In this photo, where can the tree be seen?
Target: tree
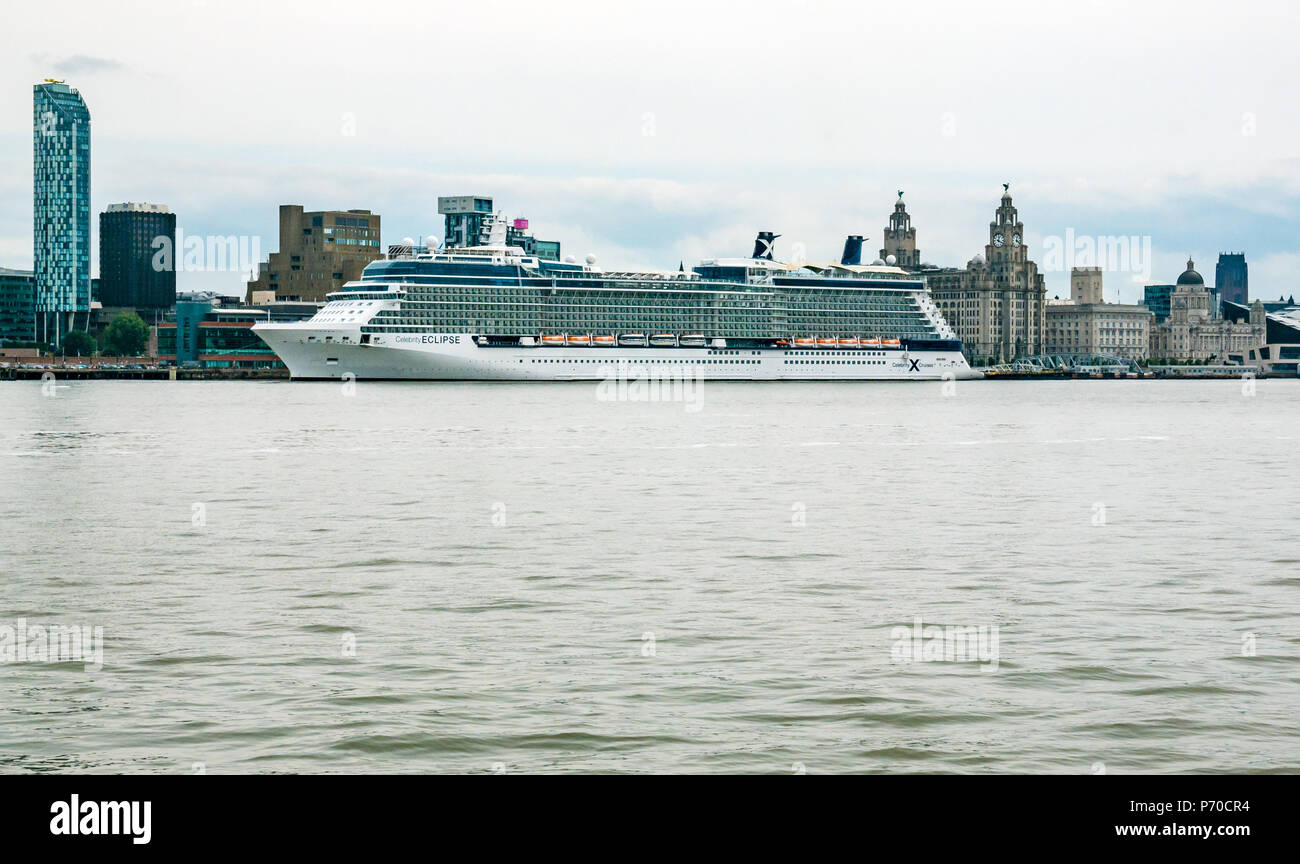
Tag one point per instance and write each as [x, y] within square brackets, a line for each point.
[78, 343]
[126, 334]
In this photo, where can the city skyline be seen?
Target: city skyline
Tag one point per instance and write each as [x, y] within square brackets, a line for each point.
[790, 388]
[614, 168]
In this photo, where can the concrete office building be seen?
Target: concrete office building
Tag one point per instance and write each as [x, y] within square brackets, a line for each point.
[319, 251]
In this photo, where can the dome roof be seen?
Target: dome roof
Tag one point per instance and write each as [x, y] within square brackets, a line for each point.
[1190, 276]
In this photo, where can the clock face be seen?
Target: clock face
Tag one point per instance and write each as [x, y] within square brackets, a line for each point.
[997, 239]
[1015, 239]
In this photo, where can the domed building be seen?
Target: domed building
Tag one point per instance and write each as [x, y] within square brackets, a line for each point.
[1189, 276]
[1194, 332]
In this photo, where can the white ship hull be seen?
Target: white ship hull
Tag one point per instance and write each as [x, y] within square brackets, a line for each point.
[456, 357]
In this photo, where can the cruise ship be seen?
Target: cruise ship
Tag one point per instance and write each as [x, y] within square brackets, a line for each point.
[492, 311]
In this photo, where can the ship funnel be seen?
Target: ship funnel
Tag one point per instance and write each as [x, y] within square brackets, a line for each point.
[852, 250]
[763, 245]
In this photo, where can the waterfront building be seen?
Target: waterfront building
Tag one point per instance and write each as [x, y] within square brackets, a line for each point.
[997, 304]
[17, 306]
[210, 331]
[470, 219]
[1231, 280]
[1280, 353]
[1086, 324]
[132, 274]
[1156, 298]
[465, 218]
[61, 210]
[1085, 286]
[319, 251]
[1193, 332]
[517, 235]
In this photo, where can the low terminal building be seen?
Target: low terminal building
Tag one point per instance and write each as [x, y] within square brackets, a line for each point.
[1280, 353]
[210, 331]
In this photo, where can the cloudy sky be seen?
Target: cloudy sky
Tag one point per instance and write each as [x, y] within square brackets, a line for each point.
[649, 133]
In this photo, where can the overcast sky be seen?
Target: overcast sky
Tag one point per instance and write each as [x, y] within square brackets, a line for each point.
[649, 133]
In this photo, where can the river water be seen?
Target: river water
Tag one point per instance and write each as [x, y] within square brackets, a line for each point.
[1059, 576]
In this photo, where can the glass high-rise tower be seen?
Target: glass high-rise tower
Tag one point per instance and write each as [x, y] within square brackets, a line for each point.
[61, 214]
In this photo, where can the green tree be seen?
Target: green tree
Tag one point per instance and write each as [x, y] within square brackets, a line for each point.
[78, 343]
[126, 334]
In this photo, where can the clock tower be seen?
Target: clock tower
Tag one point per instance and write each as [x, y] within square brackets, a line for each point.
[1015, 288]
[998, 303]
[900, 238]
[1006, 235]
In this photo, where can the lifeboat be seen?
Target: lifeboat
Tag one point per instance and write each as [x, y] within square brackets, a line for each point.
[553, 341]
[693, 340]
[891, 343]
[663, 340]
[848, 343]
[582, 340]
[870, 343]
[632, 340]
[827, 343]
[805, 343]
[604, 341]
[782, 343]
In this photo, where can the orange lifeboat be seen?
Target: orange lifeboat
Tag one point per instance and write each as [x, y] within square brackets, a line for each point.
[890, 342]
[827, 343]
[553, 341]
[870, 343]
[848, 343]
[805, 343]
[604, 341]
[582, 340]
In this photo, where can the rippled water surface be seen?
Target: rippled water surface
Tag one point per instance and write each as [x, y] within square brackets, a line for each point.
[535, 580]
